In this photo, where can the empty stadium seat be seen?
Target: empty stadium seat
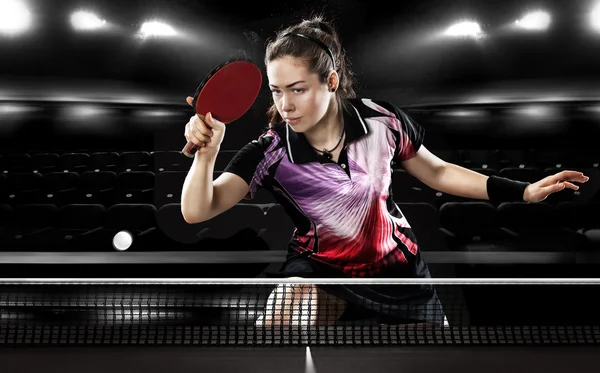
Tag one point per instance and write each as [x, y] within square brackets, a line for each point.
[526, 174]
[551, 158]
[471, 226]
[135, 161]
[104, 161]
[73, 162]
[536, 227]
[16, 163]
[23, 232]
[170, 161]
[169, 185]
[479, 158]
[583, 218]
[135, 187]
[60, 188]
[24, 188]
[515, 158]
[586, 158]
[45, 162]
[97, 187]
[76, 219]
[70, 223]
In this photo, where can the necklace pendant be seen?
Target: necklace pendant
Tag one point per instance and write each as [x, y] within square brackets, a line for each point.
[327, 154]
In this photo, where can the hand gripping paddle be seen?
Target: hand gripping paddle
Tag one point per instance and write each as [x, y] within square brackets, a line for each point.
[227, 92]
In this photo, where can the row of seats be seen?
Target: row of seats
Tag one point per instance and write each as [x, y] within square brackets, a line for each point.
[538, 158]
[103, 187]
[91, 227]
[158, 161]
[455, 226]
[514, 226]
[108, 187]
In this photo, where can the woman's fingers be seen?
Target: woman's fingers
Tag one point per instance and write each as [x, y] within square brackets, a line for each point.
[570, 185]
[200, 126]
[568, 175]
[202, 137]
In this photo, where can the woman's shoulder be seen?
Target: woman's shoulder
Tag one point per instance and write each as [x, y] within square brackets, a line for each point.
[368, 107]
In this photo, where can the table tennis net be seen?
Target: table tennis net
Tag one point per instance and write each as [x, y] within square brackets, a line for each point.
[279, 312]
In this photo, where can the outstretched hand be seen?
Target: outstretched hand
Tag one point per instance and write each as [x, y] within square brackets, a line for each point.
[540, 190]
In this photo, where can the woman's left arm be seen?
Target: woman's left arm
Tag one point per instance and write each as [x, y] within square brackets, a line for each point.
[453, 179]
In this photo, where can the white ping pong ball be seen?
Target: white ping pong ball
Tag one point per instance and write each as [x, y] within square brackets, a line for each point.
[122, 241]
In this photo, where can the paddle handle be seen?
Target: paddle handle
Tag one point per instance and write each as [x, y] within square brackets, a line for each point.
[189, 150]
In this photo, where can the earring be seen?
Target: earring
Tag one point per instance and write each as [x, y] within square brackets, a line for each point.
[332, 89]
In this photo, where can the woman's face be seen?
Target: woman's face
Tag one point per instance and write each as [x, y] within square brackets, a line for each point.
[301, 99]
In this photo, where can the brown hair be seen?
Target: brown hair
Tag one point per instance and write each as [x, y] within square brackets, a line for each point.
[315, 57]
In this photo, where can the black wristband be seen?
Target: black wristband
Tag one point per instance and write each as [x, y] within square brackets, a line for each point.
[501, 189]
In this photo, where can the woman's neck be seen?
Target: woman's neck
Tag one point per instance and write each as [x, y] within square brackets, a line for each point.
[326, 133]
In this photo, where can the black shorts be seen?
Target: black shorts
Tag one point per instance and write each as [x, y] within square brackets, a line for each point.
[391, 304]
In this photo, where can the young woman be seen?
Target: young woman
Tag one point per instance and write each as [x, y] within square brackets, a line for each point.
[326, 157]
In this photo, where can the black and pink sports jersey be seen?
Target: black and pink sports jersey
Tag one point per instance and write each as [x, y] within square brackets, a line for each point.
[344, 212]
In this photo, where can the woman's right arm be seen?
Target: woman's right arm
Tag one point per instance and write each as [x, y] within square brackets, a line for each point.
[201, 198]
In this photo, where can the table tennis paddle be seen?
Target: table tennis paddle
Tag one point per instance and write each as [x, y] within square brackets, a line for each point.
[227, 92]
